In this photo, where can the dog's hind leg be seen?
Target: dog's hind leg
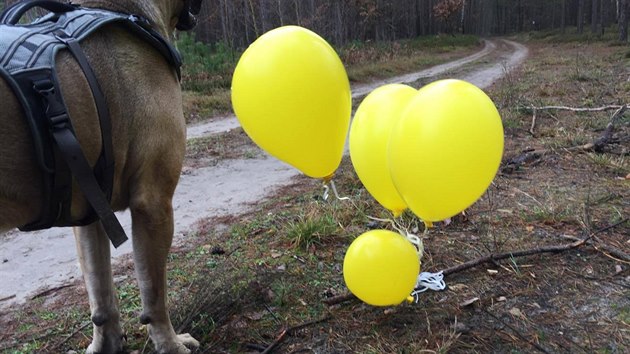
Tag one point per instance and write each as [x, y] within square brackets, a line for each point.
[152, 215]
[94, 255]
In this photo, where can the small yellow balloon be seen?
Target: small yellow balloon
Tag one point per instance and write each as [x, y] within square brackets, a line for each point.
[369, 138]
[291, 94]
[381, 268]
[446, 149]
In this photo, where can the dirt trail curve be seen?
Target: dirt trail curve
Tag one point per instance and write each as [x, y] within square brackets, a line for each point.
[47, 258]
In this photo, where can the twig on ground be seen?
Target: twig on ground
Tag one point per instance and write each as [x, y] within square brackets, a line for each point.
[81, 328]
[7, 298]
[601, 246]
[339, 299]
[577, 109]
[50, 291]
[256, 347]
[291, 330]
[534, 344]
[531, 129]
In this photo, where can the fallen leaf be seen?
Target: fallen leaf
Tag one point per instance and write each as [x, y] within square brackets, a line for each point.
[255, 316]
[501, 299]
[516, 312]
[459, 327]
[529, 228]
[469, 302]
[457, 287]
[276, 254]
[389, 311]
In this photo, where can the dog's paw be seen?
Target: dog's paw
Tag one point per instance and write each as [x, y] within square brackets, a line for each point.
[107, 339]
[183, 345]
[188, 340]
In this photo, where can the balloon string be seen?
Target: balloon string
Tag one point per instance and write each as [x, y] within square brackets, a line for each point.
[426, 281]
[328, 185]
[401, 230]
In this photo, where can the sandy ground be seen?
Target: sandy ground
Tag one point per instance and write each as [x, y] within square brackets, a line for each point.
[31, 262]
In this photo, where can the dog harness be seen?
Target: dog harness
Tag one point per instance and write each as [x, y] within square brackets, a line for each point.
[27, 58]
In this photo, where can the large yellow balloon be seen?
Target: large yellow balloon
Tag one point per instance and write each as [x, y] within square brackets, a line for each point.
[291, 94]
[381, 268]
[446, 149]
[369, 137]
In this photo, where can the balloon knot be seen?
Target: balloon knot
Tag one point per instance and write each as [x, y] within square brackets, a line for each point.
[328, 178]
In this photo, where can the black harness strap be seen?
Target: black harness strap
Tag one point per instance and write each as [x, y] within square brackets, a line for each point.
[27, 64]
[13, 14]
[105, 166]
[68, 145]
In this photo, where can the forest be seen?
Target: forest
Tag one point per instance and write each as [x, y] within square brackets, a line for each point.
[237, 23]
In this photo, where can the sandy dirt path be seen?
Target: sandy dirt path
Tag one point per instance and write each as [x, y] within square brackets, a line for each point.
[30, 262]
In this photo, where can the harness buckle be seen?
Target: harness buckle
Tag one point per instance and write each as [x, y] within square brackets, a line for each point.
[56, 111]
[60, 121]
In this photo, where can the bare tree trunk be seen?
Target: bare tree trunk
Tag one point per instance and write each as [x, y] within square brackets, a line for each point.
[264, 15]
[296, 4]
[623, 20]
[580, 17]
[339, 37]
[594, 16]
[279, 9]
[563, 19]
[253, 15]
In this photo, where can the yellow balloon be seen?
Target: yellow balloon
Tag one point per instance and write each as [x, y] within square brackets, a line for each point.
[381, 268]
[369, 138]
[446, 149]
[291, 94]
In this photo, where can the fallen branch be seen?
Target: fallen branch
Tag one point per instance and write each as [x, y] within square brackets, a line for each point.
[492, 258]
[600, 245]
[497, 257]
[549, 249]
[527, 156]
[532, 155]
[535, 109]
[577, 109]
[290, 331]
[599, 144]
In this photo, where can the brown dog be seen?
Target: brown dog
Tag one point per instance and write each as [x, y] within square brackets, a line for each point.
[149, 138]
